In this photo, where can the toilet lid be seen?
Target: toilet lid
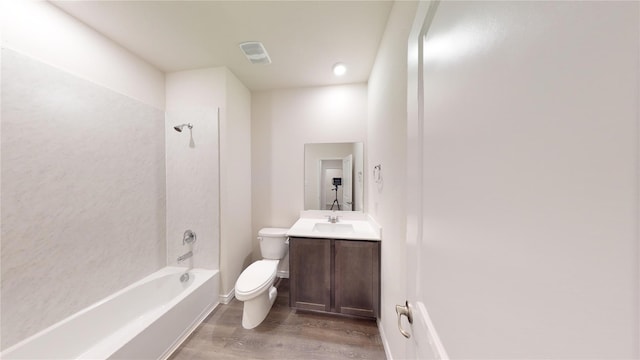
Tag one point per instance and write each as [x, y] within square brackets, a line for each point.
[269, 232]
[256, 276]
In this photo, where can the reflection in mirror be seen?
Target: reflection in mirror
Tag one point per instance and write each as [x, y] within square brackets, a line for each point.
[334, 176]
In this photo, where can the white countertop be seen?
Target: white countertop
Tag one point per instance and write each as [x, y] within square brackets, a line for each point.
[362, 226]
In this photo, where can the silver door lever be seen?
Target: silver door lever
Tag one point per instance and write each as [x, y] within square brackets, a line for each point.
[406, 311]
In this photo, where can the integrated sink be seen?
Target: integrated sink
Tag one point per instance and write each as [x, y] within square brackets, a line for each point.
[331, 228]
[352, 225]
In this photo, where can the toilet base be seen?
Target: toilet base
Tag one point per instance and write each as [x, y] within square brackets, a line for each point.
[256, 310]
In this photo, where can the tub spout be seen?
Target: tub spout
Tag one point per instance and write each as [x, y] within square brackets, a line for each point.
[185, 256]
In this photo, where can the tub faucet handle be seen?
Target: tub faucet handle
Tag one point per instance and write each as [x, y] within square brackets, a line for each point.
[189, 237]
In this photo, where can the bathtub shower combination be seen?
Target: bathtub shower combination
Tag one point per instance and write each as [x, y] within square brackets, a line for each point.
[146, 320]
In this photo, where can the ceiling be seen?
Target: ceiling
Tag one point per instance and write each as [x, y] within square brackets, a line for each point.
[303, 38]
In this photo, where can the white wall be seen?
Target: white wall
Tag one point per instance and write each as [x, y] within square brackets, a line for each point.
[194, 97]
[531, 179]
[282, 121]
[64, 42]
[387, 132]
[235, 183]
[209, 176]
[82, 168]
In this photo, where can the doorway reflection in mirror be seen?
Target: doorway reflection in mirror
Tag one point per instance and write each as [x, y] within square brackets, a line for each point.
[329, 161]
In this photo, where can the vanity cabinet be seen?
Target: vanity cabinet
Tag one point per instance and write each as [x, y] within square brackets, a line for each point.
[335, 276]
[310, 274]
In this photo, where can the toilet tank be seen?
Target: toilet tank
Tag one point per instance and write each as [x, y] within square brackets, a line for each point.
[273, 243]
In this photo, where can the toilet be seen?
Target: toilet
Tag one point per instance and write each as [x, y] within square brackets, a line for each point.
[254, 286]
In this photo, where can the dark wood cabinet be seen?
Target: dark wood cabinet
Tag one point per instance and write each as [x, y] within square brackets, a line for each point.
[336, 276]
[310, 266]
[357, 277]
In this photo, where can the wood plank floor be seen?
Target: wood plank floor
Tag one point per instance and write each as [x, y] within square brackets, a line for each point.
[284, 334]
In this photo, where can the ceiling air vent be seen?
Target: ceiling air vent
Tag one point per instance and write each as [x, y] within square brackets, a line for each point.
[255, 52]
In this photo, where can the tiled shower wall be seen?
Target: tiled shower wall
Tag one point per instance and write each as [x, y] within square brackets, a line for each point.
[83, 194]
[192, 187]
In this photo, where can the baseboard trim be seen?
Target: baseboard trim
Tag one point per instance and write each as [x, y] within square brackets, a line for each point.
[385, 343]
[226, 298]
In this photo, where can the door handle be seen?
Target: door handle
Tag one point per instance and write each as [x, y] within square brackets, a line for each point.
[406, 311]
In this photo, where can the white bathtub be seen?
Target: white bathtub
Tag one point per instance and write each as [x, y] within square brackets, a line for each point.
[147, 320]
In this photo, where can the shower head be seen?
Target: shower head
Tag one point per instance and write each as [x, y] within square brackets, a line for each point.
[179, 127]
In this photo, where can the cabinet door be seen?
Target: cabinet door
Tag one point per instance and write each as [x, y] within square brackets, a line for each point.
[310, 274]
[357, 278]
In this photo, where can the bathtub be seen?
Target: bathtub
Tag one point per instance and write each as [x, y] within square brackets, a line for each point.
[147, 320]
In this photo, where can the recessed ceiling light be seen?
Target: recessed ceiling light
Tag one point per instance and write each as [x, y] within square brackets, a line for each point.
[339, 69]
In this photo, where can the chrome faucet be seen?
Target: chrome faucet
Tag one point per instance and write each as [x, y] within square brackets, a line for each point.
[185, 256]
[333, 218]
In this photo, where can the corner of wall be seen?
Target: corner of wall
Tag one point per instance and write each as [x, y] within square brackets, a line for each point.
[235, 181]
[62, 41]
[386, 136]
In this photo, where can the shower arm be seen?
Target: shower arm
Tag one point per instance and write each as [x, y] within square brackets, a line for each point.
[179, 128]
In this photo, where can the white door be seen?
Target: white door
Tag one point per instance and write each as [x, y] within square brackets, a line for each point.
[478, 125]
[423, 341]
[347, 183]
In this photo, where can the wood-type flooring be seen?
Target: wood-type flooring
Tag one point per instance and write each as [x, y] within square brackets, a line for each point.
[284, 334]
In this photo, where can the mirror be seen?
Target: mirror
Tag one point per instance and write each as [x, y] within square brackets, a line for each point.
[334, 176]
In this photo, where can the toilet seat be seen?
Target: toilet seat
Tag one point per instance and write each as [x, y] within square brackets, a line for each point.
[256, 278]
